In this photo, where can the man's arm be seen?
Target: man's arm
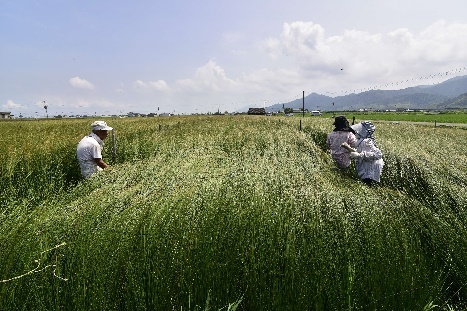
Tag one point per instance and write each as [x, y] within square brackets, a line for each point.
[100, 163]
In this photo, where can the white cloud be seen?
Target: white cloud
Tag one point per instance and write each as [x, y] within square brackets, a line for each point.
[79, 83]
[300, 37]
[366, 58]
[159, 85]
[273, 47]
[442, 42]
[210, 77]
[11, 105]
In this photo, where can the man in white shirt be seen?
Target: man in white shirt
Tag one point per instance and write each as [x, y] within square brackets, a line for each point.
[89, 150]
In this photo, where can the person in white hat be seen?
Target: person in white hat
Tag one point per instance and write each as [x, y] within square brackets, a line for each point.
[89, 150]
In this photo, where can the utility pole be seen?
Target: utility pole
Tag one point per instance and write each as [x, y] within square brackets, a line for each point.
[45, 107]
[303, 105]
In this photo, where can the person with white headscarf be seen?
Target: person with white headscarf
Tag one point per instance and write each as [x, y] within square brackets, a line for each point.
[368, 157]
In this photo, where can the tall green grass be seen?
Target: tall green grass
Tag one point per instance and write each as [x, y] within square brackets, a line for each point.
[206, 212]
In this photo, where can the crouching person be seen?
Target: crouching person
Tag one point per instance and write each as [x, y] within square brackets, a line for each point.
[368, 157]
[342, 134]
[89, 150]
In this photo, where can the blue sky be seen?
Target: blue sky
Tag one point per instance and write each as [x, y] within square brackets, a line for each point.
[112, 57]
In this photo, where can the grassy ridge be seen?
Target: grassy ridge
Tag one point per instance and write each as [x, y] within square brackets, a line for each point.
[237, 208]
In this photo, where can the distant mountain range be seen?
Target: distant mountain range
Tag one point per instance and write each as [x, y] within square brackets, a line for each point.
[450, 94]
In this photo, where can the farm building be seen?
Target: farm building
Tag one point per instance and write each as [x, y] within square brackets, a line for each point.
[5, 115]
[257, 111]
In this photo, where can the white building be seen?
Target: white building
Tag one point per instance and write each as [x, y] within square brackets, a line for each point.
[5, 115]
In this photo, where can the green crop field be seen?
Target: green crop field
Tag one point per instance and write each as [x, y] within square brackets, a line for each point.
[434, 117]
[230, 213]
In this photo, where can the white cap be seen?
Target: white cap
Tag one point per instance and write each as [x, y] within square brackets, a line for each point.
[100, 126]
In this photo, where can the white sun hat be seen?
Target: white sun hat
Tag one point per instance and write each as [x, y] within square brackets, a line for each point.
[100, 126]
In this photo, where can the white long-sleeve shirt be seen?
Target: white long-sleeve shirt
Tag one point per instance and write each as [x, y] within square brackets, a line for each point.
[370, 164]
